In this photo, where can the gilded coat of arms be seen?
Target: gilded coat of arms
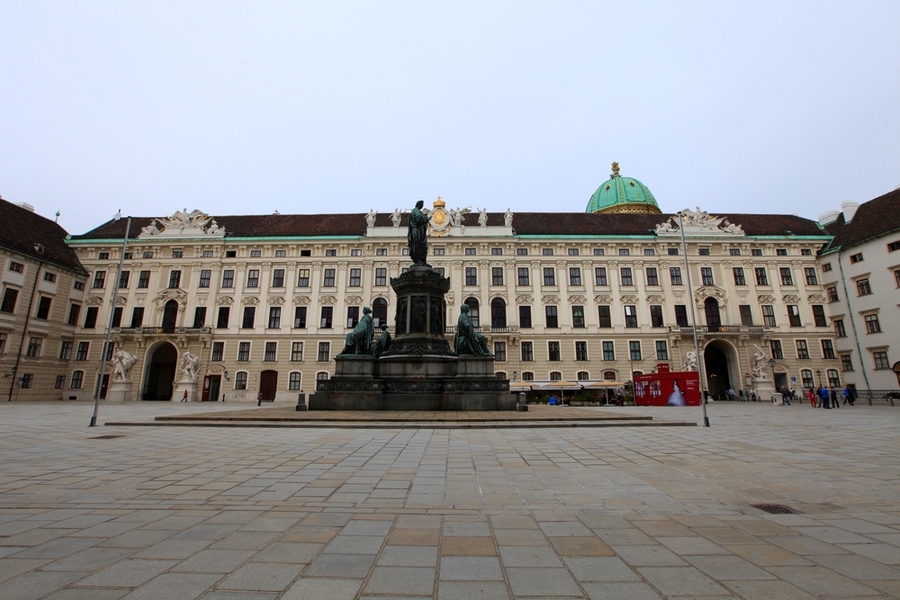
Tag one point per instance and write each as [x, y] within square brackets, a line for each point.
[440, 219]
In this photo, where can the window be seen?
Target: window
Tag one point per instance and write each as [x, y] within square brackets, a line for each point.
[893, 246]
[303, 278]
[199, 316]
[827, 349]
[787, 278]
[174, 279]
[149, 254]
[439, 251]
[65, 350]
[253, 278]
[222, 318]
[703, 251]
[243, 354]
[218, 351]
[99, 280]
[278, 278]
[523, 275]
[137, 316]
[296, 351]
[280, 253]
[204, 254]
[599, 252]
[881, 359]
[805, 252]
[438, 270]
[600, 276]
[16, 267]
[78, 285]
[806, 375]
[762, 278]
[662, 350]
[856, 258]
[626, 278]
[205, 277]
[352, 316]
[34, 347]
[578, 317]
[356, 252]
[177, 254]
[123, 279]
[776, 349]
[819, 315]
[811, 277]
[897, 277]
[274, 317]
[496, 251]
[271, 352]
[381, 276]
[324, 354]
[498, 313]
[734, 252]
[228, 278]
[330, 252]
[471, 276]
[634, 350]
[793, 315]
[652, 276]
[631, 315]
[60, 382]
[383, 251]
[77, 380]
[649, 252]
[552, 317]
[572, 251]
[624, 252]
[547, 251]
[553, 351]
[826, 267]
[582, 375]
[328, 278]
[846, 363]
[839, 330]
[739, 276]
[299, 317]
[525, 316]
[802, 350]
[294, 381]
[872, 324]
[768, 313]
[249, 317]
[604, 315]
[84, 349]
[746, 315]
[781, 252]
[581, 351]
[379, 312]
[656, 315]
[355, 278]
[609, 351]
[672, 251]
[549, 276]
[555, 376]
[675, 275]
[527, 352]
[574, 276]
[240, 380]
[500, 351]
[144, 280]
[43, 311]
[834, 378]
[832, 293]
[305, 252]
[706, 275]
[681, 318]
[862, 287]
[325, 319]
[521, 251]
[90, 317]
[496, 275]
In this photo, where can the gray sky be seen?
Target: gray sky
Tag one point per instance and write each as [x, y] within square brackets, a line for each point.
[309, 107]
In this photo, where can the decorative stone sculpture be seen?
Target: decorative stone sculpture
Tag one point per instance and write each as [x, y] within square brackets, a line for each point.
[122, 363]
[482, 217]
[359, 341]
[383, 343]
[760, 362]
[468, 341]
[507, 218]
[395, 217]
[370, 218]
[690, 361]
[189, 364]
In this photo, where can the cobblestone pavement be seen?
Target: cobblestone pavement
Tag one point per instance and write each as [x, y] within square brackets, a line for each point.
[327, 513]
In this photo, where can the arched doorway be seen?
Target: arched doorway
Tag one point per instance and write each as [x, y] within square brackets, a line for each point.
[498, 313]
[379, 312]
[713, 317]
[170, 316]
[719, 361]
[160, 372]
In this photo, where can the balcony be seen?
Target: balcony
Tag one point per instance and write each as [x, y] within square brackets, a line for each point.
[149, 331]
[719, 329]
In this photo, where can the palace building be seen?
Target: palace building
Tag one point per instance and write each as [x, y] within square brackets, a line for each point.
[265, 301]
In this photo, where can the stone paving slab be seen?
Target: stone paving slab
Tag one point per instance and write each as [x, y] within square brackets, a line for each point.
[535, 511]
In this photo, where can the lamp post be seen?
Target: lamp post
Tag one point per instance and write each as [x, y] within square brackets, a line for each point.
[819, 377]
[690, 294]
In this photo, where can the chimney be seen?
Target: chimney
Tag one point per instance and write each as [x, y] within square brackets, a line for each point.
[26, 206]
[829, 217]
[849, 209]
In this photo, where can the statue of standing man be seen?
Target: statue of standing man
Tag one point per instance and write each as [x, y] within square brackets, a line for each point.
[415, 236]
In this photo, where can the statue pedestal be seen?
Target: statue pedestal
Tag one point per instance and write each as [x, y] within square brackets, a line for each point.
[119, 391]
[766, 392]
[181, 386]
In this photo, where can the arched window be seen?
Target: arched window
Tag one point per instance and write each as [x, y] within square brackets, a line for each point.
[77, 380]
[807, 376]
[713, 318]
[322, 376]
[170, 316]
[609, 375]
[472, 303]
[834, 378]
[498, 313]
[555, 376]
[379, 312]
[240, 380]
[294, 380]
[527, 376]
[582, 376]
[500, 375]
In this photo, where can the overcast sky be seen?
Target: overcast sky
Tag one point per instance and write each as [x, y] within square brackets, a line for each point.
[310, 107]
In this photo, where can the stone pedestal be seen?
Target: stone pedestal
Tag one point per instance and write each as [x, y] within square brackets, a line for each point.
[765, 391]
[119, 391]
[181, 386]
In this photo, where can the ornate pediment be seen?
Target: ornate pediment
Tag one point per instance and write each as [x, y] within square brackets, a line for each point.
[94, 300]
[550, 299]
[225, 300]
[353, 300]
[302, 300]
[577, 299]
[766, 299]
[603, 299]
[791, 299]
[698, 222]
[182, 224]
[710, 291]
[325, 300]
[250, 300]
[524, 299]
[656, 299]
[276, 300]
[179, 295]
[629, 299]
[817, 298]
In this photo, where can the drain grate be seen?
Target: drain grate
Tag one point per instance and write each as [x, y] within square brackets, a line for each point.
[775, 509]
[106, 437]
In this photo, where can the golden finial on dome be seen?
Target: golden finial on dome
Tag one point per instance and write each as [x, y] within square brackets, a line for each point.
[615, 169]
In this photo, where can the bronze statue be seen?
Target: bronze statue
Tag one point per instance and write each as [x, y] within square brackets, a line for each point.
[359, 341]
[468, 341]
[383, 343]
[415, 236]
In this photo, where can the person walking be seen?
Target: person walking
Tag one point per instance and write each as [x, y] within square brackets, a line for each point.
[849, 396]
[185, 397]
[811, 394]
[834, 399]
[823, 393]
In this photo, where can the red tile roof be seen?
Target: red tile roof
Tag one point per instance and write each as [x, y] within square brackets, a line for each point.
[22, 229]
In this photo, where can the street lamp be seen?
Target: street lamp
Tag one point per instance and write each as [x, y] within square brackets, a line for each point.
[819, 377]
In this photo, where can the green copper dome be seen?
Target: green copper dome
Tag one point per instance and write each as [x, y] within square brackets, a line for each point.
[622, 195]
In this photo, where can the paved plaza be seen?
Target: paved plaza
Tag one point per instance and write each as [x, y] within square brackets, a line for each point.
[332, 512]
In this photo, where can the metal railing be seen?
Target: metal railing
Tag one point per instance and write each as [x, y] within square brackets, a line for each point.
[162, 330]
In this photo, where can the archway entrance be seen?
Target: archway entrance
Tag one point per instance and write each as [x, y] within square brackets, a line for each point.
[160, 372]
[716, 357]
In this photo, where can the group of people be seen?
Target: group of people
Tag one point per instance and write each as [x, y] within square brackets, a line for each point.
[825, 397]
